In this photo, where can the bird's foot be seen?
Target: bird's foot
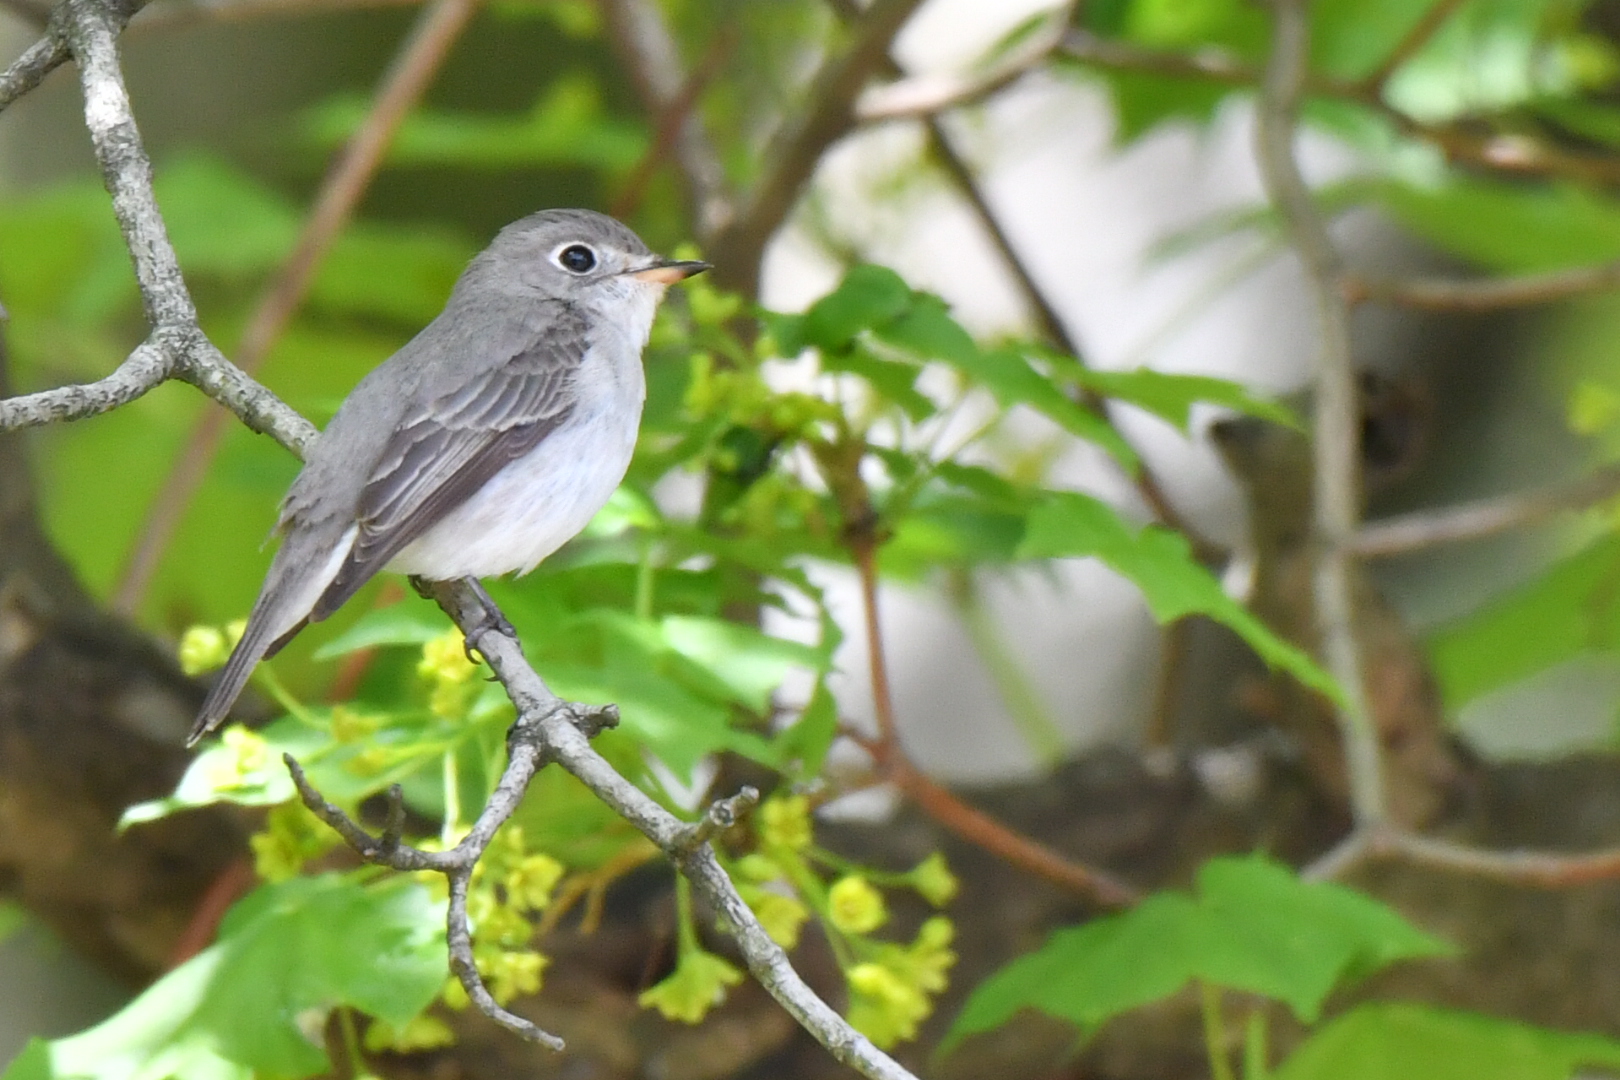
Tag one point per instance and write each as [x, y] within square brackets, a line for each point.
[492, 620]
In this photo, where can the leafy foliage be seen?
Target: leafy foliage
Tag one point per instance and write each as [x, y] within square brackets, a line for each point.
[1252, 926]
[256, 1002]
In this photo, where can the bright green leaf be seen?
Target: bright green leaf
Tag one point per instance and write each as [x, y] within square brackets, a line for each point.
[253, 1003]
[1572, 609]
[1380, 1040]
[1253, 926]
[1160, 562]
[867, 297]
[1171, 397]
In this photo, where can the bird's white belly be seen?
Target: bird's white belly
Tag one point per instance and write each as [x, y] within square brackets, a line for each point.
[533, 506]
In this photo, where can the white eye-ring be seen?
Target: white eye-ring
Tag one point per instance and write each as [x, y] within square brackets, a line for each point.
[576, 258]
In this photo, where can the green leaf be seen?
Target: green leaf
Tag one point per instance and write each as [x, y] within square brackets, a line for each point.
[253, 1003]
[1571, 610]
[223, 221]
[804, 744]
[1171, 397]
[399, 273]
[867, 297]
[927, 330]
[751, 663]
[1511, 227]
[1091, 973]
[405, 623]
[1253, 926]
[1160, 562]
[1295, 941]
[1390, 1039]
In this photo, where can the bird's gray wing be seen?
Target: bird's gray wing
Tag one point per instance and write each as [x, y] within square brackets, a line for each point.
[448, 447]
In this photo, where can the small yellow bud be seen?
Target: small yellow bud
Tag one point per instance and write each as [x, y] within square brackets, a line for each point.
[784, 821]
[202, 649]
[934, 881]
[781, 917]
[855, 907]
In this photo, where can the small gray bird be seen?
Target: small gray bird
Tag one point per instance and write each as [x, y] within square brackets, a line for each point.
[486, 443]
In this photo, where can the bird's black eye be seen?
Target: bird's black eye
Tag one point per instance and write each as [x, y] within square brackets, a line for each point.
[577, 259]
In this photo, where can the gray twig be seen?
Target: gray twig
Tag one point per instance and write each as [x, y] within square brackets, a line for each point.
[456, 865]
[1484, 294]
[29, 70]
[1337, 468]
[1485, 517]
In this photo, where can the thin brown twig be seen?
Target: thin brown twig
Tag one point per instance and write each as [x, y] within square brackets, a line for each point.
[1485, 517]
[1510, 153]
[938, 802]
[1484, 294]
[1420, 34]
[650, 57]
[673, 119]
[1336, 446]
[792, 156]
[1533, 869]
[406, 80]
[922, 96]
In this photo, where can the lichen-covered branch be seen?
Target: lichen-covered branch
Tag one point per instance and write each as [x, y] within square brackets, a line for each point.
[419, 58]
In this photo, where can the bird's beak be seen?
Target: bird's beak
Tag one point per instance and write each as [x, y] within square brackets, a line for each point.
[667, 271]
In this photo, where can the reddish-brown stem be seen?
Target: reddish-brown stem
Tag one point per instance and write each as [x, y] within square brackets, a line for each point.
[231, 885]
[671, 120]
[1532, 869]
[407, 79]
[939, 803]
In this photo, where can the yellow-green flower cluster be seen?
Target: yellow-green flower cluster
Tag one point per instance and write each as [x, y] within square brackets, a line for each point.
[204, 648]
[241, 760]
[891, 986]
[291, 837]
[448, 672]
[891, 993]
[425, 1032]
[697, 985]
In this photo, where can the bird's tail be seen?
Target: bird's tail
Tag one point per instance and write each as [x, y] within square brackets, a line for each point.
[259, 639]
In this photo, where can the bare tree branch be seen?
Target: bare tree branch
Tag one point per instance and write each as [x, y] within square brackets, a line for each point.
[551, 724]
[920, 96]
[403, 85]
[1486, 517]
[1336, 446]
[150, 364]
[652, 60]
[671, 131]
[1535, 869]
[1485, 294]
[793, 155]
